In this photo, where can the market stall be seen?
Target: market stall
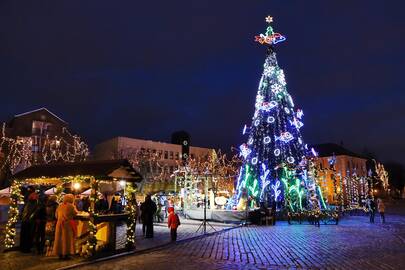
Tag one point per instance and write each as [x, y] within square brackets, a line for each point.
[98, 180]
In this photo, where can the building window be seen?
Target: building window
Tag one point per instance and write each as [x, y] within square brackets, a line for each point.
[35, 144]
[166, 155]
[177, 155]
[41, 128]
[171, 154]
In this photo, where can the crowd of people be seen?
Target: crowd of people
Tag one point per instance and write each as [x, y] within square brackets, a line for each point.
[51, 227]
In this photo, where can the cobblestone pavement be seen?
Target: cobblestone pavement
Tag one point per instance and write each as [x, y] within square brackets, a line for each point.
[17, 261]
[353, 244]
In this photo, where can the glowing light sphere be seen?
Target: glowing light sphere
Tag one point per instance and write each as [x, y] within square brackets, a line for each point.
[257, 122]
[250, 141]
[277, 152]
[287, 111]
[254, 160]
[290, 160]
[270, 119]
[267, 139]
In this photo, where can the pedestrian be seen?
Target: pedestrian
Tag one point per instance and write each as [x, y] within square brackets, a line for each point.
[142, 219]
[50, 225]
[381, 210]
[40, 223]
[65, 231]
[148, 209]
[173, 222]
[159, 214]
[371, 207]
[28, 223]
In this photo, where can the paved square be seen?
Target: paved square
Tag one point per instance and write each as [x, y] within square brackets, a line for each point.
[353, 244]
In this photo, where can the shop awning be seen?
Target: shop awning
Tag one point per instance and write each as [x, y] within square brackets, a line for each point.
[100, 169]
[5, 192]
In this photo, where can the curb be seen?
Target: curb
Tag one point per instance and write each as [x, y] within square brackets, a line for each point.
[143, 251]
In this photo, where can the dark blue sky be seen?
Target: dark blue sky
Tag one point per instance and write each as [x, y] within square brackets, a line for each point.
[147, 68]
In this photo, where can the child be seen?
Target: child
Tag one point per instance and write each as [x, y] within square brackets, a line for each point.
[173, 222]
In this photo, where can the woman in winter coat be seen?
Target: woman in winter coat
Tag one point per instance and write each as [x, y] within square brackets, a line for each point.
[381, 210]
[64, 244]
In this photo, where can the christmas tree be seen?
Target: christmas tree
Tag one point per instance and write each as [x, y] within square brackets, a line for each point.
[275, 164]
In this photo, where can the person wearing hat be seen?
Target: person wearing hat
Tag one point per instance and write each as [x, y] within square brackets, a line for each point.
[64, 244]
[173, 222]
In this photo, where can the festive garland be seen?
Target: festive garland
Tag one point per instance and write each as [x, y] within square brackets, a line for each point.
[131, 208]
[92, 240]
[13, 212]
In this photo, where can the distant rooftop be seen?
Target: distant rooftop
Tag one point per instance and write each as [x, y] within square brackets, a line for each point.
[41, 109]
[330, 149]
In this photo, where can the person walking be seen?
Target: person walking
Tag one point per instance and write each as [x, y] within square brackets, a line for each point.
[148, 209]
[381, 210]
[371, 206]
[64, 244]
[173, 222]
[28, 223]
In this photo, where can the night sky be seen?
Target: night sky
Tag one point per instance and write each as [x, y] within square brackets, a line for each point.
[147, 68]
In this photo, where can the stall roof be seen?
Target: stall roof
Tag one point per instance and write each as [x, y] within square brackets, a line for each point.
[100, 169]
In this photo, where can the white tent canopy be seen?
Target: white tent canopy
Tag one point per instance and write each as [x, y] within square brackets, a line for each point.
[51, 191]
[88, 192]
[5, 192]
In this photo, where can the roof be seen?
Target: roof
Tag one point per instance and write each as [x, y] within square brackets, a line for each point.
[41, 109]
[330, 149]
[104, 169]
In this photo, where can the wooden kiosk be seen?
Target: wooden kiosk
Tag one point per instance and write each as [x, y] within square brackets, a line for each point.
[96, 229]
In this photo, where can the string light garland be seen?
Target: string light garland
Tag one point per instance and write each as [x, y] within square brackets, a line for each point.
[20, 152]
[15, 197]
[131, 209]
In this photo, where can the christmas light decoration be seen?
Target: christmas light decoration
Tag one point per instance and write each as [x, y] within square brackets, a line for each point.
[274, 141]
[20, 152]
[13, 212]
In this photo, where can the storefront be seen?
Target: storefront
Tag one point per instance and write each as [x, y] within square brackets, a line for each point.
[111, 181]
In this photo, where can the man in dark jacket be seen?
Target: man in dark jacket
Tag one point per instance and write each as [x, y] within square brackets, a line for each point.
[372, 207]
[28, 219]
[148, 209]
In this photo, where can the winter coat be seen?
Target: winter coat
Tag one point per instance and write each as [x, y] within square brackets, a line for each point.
[65, 230]
[148, 209]
[381, 207]
[173, 221]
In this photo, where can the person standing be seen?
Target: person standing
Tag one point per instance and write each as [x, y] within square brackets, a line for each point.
[148, 209]
[50, 209]
[173, 222]
[371, 206]
[381, 210]
[64, 244]
[28, 223]
[40, 223]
